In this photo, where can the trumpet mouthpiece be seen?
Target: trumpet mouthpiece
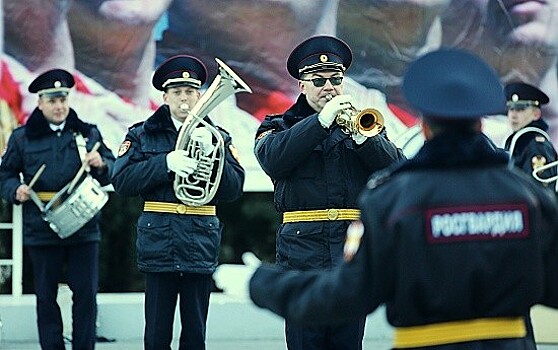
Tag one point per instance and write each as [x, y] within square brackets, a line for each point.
[329, 97]
[184, 107]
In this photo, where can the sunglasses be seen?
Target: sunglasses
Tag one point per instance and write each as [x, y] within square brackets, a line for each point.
[319, 82]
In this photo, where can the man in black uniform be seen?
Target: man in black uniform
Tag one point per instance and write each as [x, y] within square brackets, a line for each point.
[53, 136]
[456, 245]
[318, 170]
[177, 244]
[529, 145]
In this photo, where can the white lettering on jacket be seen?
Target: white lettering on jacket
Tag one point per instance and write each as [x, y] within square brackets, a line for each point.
[449, 224]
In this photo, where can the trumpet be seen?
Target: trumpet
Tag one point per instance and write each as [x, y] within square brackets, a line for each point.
[367, 122]
[547, 180]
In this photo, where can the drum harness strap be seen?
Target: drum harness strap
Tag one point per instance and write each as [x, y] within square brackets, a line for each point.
[81, 146]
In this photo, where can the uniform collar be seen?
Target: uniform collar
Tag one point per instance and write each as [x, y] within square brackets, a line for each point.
[37, 125]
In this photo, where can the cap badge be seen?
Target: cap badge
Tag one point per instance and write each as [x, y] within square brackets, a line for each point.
[185, 75]
[515, 98]
[57, 84]
[323, 58]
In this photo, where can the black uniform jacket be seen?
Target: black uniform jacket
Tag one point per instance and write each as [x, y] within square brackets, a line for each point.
[314, 168]
[170, 242]
[35, 144]
[452, 234]
[532, 146]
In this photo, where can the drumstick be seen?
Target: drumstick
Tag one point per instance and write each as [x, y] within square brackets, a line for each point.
[36, 176]
[82, 169]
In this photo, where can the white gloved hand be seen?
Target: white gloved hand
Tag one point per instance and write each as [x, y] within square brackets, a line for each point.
[205, 139]
[179, 162]
[359, 138]
[234, 279]
[332, 108]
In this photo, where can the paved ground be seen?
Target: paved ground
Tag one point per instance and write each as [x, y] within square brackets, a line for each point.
[267, 344]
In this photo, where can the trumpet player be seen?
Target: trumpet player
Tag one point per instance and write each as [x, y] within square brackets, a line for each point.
[318, 170]
[528, 145]
[177, 245]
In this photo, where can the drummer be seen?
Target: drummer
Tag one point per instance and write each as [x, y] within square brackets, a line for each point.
[55, 136]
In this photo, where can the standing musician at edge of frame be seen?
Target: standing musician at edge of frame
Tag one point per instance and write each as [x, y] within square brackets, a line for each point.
[532, 148]
[318, 169]
[56, 137]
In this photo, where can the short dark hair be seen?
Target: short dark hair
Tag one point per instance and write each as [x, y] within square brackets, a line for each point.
[462, 126]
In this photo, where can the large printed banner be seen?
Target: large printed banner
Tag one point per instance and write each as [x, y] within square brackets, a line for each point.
[113, 46]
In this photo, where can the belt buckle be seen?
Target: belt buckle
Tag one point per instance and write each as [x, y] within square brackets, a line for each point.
[181, 209]
[332, 214]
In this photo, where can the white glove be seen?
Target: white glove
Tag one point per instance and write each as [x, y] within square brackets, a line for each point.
[359, 138]
[234, 279]
[332, 108]
[179, 162]
[205, 139]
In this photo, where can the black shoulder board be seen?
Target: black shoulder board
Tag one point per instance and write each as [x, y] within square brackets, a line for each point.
[136, 125]
[378, 178]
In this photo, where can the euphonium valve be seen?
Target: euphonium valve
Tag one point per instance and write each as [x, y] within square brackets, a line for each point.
[367, 122]
[200, 187]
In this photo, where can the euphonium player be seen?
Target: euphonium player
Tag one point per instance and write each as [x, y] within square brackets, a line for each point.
[318, 171]
[177, 244]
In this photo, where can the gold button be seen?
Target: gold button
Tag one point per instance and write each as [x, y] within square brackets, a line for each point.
[332, 214]
[181, 209]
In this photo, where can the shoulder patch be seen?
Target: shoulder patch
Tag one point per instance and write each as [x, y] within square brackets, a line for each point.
[124, 147]
[264, 134]
[234, 152]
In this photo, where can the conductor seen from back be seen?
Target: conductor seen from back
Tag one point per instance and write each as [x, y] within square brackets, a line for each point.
[177, 244]
[455, 244]
[318, 169]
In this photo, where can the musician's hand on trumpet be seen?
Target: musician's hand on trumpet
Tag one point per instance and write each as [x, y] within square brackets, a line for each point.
[332, 108]
[179, 162]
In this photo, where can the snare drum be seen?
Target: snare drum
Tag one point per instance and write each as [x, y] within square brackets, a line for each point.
[68, 213]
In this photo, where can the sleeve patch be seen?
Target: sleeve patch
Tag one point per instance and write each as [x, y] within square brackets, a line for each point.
[234, 152]
[124, 147]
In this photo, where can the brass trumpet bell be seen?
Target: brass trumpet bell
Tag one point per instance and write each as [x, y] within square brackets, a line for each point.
[367, 122]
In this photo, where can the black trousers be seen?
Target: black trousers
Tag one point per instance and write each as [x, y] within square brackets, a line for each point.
[81, 263]
[347, 336]
[161, 293]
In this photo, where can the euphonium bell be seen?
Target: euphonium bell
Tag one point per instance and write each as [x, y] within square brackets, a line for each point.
[367, 122]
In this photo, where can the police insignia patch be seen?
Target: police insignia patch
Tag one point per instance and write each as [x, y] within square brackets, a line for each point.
[538, 161]
[234, 153]
[124, 147]
[264, 134]
[352, 241]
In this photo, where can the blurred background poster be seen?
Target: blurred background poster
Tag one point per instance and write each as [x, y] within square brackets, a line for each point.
[113, 46]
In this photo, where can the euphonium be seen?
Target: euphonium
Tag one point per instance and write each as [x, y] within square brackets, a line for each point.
[368, 122]
[536, 174]
[200, 187]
